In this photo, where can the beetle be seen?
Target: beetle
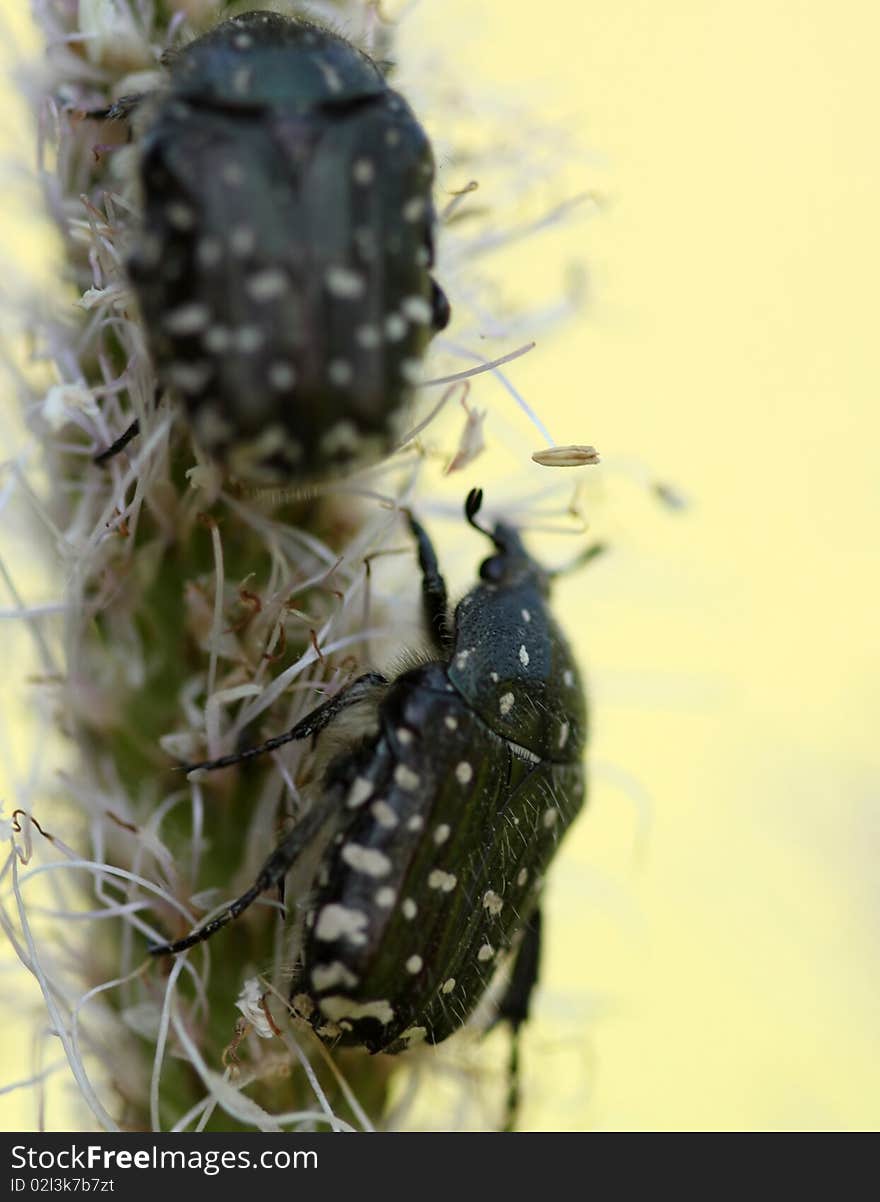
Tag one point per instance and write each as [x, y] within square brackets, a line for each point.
[431, 831]
[283, 261]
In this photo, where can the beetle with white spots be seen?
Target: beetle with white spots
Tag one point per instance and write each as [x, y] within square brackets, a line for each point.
[448, 807]
[285, 247]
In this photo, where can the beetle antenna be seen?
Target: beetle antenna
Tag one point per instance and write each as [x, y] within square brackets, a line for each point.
[472, 507]
[593, 551]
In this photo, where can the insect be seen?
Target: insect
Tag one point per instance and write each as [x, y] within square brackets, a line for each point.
[436, 824]
[283, 264]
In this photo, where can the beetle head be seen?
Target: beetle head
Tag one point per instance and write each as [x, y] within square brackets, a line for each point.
[511, 564]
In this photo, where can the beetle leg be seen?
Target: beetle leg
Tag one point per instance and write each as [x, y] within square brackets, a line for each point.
[514, 1008]
[120, 444]
[435, 602]
[125, 437]
[272, 873]
[120, 110]
[311, 725]
[440, 308]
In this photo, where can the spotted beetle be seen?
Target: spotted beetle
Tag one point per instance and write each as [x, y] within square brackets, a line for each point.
[431, 833]
[283, 263]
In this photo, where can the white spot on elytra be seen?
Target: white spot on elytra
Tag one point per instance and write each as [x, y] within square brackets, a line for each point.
[414, 964]
[384, 814]
[414, 208]
[188, 319]
[523, 656]
[486, 952]
[342, 436]
[442, 833]
[368, 337]
[526, 616]
[340, 922]
[343, 1007]
[339, 372]
[404, 736]
[494, 677]
[248, 339]
[492, 902]
[190, 377]
[505, 705]
[366, 860]
[462, 658]
[395, 327]
[410, 909]
[360, 791]
[415, 823]
[217, 339]
[464, 772]
[522, 876]
[212, 428]
[209, 252]
[232, 174]
[180, 215]
[332, 78]
[448, 985]
[564, 732]
[344, 283]
[568, 677]
[392, 137]
[445, 881]
[243, 239]
[267, 285]
[551, 817]
[417, 309]
[385, 897]
[281, 375]
[326, 976]
[406, 778]
[450, 723]
[363, 172]
[411, 370]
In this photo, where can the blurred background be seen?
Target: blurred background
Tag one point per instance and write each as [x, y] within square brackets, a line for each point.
[712, 926]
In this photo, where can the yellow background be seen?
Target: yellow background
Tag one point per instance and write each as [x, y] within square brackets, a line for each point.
[713, 964]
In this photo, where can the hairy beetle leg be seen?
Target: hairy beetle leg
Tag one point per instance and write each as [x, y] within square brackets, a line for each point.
[514, 1009]
[283, 857]
[307, 727]
[271, 874]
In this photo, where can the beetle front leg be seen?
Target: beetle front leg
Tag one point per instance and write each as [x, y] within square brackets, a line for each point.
[309, 726]
[435, 601]
[271, 874]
